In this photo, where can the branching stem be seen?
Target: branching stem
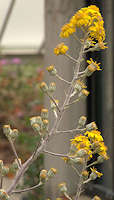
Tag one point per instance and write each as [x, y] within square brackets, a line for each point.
[27, 189]
[14, 151]
[62, 79]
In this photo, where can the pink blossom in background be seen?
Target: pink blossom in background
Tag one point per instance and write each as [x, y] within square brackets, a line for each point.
[3, 62]
[16, 61]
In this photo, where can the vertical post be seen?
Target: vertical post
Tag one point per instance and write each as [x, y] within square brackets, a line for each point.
[108, 100]
[57, 13]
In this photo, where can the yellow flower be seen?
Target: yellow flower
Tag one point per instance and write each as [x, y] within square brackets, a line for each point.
[96, 197]
[102, 45]
[89, 19]
[97, 31]
[61, 49]
[93, 64]
[81, 142]
[94, 136]
[67, 30]
[96, 172]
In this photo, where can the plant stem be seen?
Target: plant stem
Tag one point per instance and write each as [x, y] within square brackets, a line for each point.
[72, 130]
[27, 189]
[62, 79]
[14, 151]
[56, 154]
[41, 148]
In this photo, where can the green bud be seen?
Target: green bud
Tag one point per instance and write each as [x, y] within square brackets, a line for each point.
[52, 87]
[62, 187]
[52, 172]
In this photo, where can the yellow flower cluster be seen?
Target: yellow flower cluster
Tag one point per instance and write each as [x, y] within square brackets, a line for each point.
[91, 142]
[89, 19]
[61, 49]
[82, 143]
[93, 65]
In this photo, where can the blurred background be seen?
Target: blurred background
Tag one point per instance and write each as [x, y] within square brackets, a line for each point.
[29, 30]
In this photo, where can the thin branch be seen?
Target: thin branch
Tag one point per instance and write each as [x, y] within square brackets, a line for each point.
[72, 130]
[53, 101]
[76, 37]
[56, 154]
[80, 73]
[75, 169]
[71, 58]
[91, 164]
[75, 101]
[87, 181]
[62, 79]
[14, 151]
[88, 50]
[67, 196]
[27, 189]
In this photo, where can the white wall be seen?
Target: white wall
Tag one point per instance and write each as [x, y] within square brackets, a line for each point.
[25, 29]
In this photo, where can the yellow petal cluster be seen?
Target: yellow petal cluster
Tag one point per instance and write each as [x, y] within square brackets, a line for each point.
[91, 142]
[67, 30]
[89, 19]
[94, 136]
[93, 65]
[96, 172]
[82, 143]
[61, 49]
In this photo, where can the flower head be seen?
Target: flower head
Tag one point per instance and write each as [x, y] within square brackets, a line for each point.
[95, 172]
[93, 65]
[61, 49]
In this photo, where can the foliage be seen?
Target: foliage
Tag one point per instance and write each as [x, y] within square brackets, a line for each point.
[18, 81]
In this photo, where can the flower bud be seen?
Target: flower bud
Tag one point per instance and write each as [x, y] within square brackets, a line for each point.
[82, 121]
[53, 106]
[45, 124]
[44, 113]
[81, 153]
[44, 87]
[14, 134]
[59, 198]
[96, 198]
[7, 130]
[51, 69]
[32, 120]
[52, 172]
[52, 87]
[43, 175]
[77, 160]
[100, 159]
[62, 187]
[93, 176]
[90, 69]
[79, 85]
[84, 93]
[36, 120]
[91, 126]
[36, 127]
[85, 174]
[3, 195]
